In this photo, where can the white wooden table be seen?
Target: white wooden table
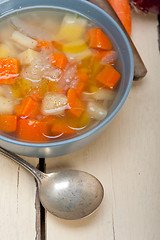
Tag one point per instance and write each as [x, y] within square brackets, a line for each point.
[126, 159]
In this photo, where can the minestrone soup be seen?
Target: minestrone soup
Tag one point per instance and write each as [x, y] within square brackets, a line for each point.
[58, 75]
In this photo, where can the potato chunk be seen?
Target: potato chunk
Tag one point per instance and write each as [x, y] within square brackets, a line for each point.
[27, 56]
[72, 28]
[4, 51]
[54, 104]
[96, 110]
[23, 40]
[103, 94]
[6, 106]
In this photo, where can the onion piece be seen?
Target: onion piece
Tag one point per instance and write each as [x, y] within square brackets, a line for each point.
[32, 31]
[96, 110]
[23, 41]
[104, 94]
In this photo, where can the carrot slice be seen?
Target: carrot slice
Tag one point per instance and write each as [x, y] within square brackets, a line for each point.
[43, 44]
[82, 80]
[9, 70]
[59, 60]
[109, 77]
[32, 130]
[97, 39]
[123, 10]
[28, 108]
[60, 127]
[75, 104]
[8, 123]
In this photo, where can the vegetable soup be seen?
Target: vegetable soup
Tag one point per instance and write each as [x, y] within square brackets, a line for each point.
[58, 75]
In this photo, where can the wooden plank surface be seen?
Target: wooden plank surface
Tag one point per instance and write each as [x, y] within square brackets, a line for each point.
[17, 201]
[126, 159]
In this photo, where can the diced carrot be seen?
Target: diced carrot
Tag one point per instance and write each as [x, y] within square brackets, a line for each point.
[28, 108]
[32, 130]
[109, 77]
[57, 45]
[60, 127]
[59, 60]
[8, 123]
[123, 10]
[106, 57]
[49, 120]
[98, 40]
[43, 44]
[17, 109]
[9, 70]
[76, 106]
[82, 80]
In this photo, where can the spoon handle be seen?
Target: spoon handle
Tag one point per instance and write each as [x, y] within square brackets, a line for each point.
[37, 174]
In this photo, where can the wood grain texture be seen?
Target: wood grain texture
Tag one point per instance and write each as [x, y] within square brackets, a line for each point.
[17, 201]
[126, 159]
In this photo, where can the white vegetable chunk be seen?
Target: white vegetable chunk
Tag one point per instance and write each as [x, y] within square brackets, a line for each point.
[13, 51]
[4, 51]
[23, 40]
[54, 104]
[6, 106]
[71, 29]
[27, 56]
[6, 32]
[50, 25]
[103, 94]
[74, 19]
[96, 111]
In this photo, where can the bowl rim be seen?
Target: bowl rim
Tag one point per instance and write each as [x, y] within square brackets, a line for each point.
[113, 113]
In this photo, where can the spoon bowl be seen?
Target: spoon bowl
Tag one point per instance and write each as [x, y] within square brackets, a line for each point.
[68, 194]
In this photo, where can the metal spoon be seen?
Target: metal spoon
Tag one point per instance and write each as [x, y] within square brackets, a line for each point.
[68, 194]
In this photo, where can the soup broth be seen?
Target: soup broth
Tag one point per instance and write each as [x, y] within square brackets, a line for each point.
[58, 75]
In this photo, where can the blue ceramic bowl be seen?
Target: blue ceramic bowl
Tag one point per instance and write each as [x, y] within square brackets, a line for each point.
[121, 44]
